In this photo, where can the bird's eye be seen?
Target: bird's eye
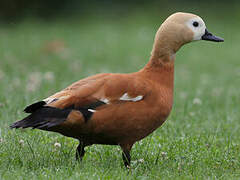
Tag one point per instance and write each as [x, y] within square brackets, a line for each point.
[195, 24]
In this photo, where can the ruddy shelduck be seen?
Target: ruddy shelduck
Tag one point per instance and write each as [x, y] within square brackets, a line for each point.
[120, 109]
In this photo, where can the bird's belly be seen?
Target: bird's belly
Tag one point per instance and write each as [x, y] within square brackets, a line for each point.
[121, 125]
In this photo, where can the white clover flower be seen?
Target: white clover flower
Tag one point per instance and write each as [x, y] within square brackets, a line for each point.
[197, 101]
[57, 145]
[21, 141]
[164, 154]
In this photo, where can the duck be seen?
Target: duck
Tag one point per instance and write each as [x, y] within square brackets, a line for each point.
[120, 109]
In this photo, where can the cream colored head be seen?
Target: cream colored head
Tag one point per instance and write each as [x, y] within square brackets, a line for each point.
[198, 27]
[179, 29]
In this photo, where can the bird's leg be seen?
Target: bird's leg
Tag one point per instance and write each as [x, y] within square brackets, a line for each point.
[126, 154]
[126, 158]
[80, 151]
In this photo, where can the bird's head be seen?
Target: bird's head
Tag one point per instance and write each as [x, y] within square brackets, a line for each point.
[179, 29]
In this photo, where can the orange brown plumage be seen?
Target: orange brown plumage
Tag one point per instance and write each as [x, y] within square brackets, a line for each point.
[118, 109]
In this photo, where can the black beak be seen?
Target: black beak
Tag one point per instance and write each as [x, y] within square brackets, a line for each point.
[209, 37]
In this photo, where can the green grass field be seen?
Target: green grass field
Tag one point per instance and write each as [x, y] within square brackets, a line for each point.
[200, 139]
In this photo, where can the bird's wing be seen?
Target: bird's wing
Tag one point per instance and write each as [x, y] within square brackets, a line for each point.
[82, 99]
[77, 94]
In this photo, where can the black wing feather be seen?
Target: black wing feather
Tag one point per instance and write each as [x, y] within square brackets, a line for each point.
[33, 107]
[45, 117]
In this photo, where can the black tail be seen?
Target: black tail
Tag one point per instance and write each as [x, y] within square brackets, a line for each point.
[43, 118]
[33, 107]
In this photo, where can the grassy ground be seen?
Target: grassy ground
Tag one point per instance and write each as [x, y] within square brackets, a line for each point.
[200, 139]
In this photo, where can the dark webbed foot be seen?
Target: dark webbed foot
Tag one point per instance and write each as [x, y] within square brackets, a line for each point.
[80, 151]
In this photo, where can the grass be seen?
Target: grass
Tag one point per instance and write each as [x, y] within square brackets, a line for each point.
[200, 139]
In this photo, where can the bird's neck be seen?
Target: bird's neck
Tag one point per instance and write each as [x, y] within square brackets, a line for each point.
[160, 69]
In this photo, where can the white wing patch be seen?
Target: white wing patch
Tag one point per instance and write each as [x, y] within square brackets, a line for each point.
[125, 97]
[50, 99]
[105, 100]
[91, 110]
